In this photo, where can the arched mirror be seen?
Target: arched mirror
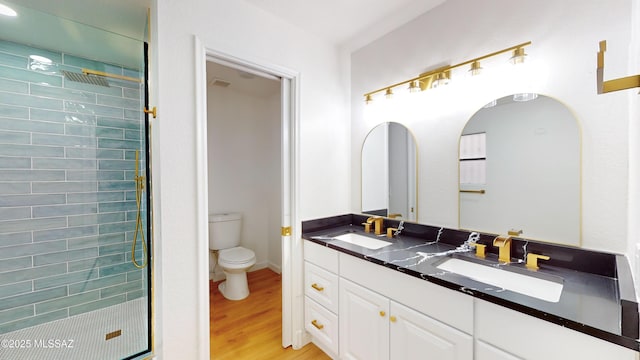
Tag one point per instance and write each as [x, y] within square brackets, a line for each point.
[520, 169]
[389, 177]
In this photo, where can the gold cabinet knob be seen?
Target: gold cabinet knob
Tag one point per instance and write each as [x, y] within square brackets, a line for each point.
[382, 313]
[392, 318]
[317, 325]
[317, 287]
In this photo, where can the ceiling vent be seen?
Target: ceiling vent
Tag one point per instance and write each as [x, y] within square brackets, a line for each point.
[219, 82]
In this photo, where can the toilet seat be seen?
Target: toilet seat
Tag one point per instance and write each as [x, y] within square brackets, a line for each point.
[236, 255]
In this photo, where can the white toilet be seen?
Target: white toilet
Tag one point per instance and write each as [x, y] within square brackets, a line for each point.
[224, 236]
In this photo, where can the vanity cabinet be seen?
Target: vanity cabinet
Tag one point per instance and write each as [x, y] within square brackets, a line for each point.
[375, 327]
[321, 296]
[503, 333]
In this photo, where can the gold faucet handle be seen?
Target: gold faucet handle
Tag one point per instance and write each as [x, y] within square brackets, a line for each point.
[532, 260]
[480, 250]
[367, 226]
[391, 231]
[393, 216]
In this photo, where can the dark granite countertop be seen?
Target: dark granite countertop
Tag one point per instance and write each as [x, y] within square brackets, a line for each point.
[597, 296]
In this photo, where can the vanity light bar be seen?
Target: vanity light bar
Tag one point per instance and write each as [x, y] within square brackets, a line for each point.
[443, 74]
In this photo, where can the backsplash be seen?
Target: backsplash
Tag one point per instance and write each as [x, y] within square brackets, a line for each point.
[67, 195]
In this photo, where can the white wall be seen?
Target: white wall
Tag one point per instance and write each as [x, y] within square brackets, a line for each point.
[239, 29]
[244, 167]
[562, 61]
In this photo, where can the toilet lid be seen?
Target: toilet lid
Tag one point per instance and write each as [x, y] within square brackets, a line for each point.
[236, 255]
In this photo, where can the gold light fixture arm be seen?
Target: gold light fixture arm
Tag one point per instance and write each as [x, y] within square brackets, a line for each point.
[426, 79]
[624, 83]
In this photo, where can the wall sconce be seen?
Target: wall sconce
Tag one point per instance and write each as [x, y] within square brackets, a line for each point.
[442, 76]
[624, 83]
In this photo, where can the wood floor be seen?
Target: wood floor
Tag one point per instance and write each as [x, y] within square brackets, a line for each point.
[252, 328]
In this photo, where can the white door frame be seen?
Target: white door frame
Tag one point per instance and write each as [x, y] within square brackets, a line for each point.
[292, 280]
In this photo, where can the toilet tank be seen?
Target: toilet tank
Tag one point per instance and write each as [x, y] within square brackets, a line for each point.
[224, 230]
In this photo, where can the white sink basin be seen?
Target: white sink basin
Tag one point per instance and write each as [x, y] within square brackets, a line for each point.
[364, 241]
[527, 285]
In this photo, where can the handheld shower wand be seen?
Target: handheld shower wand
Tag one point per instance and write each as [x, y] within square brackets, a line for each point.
[139, 228]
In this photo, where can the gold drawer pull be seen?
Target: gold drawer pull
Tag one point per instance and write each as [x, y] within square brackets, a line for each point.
[318, 326]
[382, 313]
[317, 287]
[392, 318]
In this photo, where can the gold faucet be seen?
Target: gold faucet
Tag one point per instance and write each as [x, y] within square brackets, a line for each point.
[504, 248]
[377, 222]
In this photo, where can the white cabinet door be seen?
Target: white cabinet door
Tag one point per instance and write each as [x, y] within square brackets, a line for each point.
[417, 336]
[486, 351]
[364, 323]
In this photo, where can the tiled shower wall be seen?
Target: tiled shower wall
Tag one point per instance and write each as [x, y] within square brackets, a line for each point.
[67, 195]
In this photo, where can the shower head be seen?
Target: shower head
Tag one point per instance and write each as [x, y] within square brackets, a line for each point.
[85, 79]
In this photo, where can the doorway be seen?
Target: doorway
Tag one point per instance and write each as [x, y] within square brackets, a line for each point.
[287, 128]
[243, 158]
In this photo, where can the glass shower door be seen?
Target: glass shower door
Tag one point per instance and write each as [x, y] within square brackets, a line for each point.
[75, 251]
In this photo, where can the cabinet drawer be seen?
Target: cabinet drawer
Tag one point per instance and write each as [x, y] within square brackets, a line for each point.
[321, 256]
[321, 286]
[322, 325]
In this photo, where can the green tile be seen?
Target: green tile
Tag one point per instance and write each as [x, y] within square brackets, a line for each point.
[74, 175]
[16, 61]
[97, 283]
[62, 93]
[63, 164]
[15, 263]
[14, 239]
[120, 289]
[16, 289]
[118, 123]
[17, 112]
[80, 130]
[26, 50]
[118, 102]
[31, 150]
[30, 224]
[30, 249]
[62, 117]
[62, 210]
[14, 213]
[33, 321]
[16, 313]
[135, 294]
[67, 301]
[95, 263]
[132, 114]
[31, 175]
[92, 109]
[64, 279]
[100, 304]
[66, 233]
[114, 91]
[64, 256]
[30, 274]
[63, 187]
[131, 93]
[117, 206]
[14, 86]
[83, 242]
[116, 227]
[63, 140]
[14, 163]
[32, 126]
[30, 76]
[91, 64]
[13, 188]
[117, 269]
